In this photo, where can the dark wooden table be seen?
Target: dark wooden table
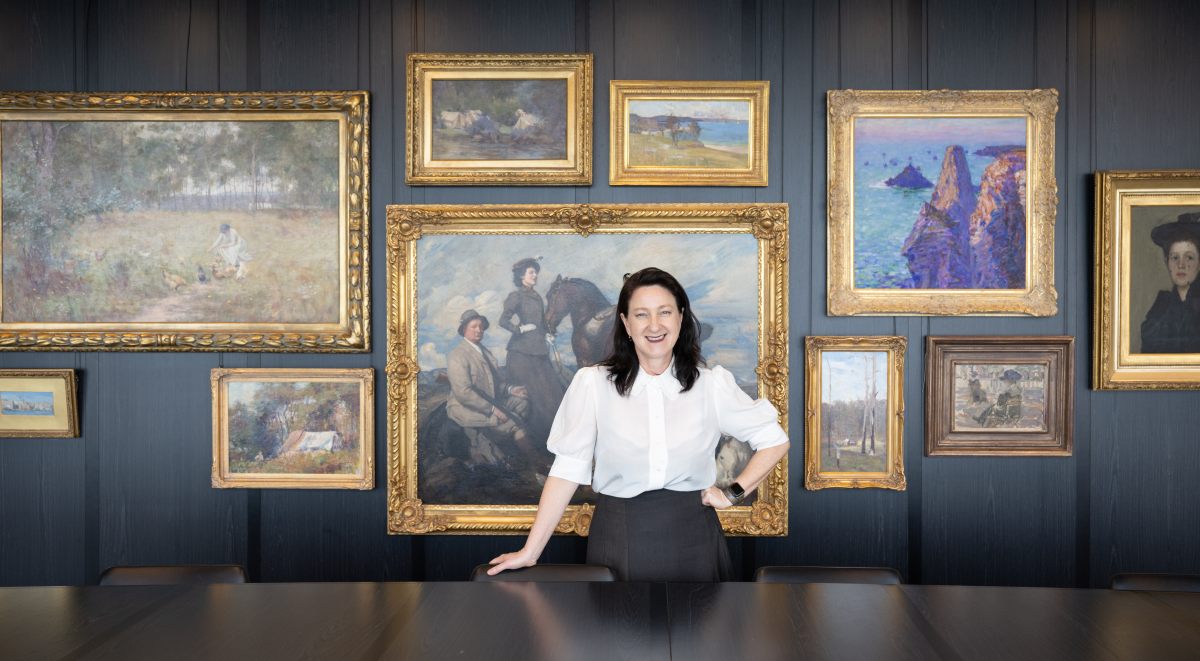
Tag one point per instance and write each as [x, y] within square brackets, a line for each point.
[613, 621]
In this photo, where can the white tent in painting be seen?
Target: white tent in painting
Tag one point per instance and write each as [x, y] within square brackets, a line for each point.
[311, 441]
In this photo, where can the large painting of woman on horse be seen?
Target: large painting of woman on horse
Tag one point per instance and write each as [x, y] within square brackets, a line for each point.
[503, 323]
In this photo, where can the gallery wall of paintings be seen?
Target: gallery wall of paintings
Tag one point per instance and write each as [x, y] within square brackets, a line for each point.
[934, 372]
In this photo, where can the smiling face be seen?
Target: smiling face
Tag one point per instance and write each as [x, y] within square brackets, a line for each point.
[1183, 262]
[530, 277]
[474, 330]
[653, 322]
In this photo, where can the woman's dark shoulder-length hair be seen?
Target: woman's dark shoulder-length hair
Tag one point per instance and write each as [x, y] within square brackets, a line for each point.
[622, 363]
[520, 267]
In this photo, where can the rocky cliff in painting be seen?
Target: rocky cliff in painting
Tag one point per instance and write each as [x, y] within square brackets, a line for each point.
[938, 248]
[998, 224]
[909, 177]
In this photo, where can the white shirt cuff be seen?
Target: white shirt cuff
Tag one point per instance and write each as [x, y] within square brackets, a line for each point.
[572, 469]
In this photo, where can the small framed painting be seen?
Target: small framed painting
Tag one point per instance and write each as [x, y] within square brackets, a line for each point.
[688, 133]
[38, 404]
[501, 118]
[293, 428]
[942, 202]
[999, 395]
[1147, 306]
[855, 409]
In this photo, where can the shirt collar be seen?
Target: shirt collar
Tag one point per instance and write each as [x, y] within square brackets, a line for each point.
[665, 382]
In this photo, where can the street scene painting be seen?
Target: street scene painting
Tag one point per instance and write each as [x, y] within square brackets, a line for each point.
[171, 222]
[939, 202]
[504, 321]
[27, 403]
[688, 133]
[499, 119]
[1000, 397]
[854, 411]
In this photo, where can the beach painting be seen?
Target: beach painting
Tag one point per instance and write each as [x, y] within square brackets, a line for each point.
[854, 406]
[499, 119]
[939, 202]
[27, 403]
[688, 133]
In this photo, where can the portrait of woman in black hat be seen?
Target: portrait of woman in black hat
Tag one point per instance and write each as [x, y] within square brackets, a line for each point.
[1173, 323]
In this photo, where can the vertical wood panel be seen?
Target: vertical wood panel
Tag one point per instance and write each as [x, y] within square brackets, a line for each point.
[142, 44]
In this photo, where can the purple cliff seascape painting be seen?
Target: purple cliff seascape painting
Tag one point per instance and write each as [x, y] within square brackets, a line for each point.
[939, 202]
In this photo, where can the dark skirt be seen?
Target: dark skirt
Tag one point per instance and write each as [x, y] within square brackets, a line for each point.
[545, 389]
[659, 535]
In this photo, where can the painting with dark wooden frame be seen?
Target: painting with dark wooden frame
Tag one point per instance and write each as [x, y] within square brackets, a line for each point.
[988, 395]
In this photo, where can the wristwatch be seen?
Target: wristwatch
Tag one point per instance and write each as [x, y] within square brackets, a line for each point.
[735, 493]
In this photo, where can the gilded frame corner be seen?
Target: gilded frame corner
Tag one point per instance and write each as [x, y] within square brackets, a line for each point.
[1039, 297]
[71, 392]
[621, 92]
[406, 224]
[893, 477]
[223, 478]
[350, 333]
[1114, 365]
[422, 169]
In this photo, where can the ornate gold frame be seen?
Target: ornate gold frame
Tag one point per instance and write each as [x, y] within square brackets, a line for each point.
[893, 478]
[223, 479]
[1038, 107]
[424, 68]
[768, 223]
[1114, 365]
[351, 333]
[621, 92]
[71, 390]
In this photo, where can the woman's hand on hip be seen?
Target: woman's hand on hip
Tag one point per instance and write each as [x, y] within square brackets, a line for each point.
[715, 498]
[514, 560]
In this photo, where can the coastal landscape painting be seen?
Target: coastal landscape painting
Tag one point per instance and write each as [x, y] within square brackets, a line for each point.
[38, 403]
[26, 403]
[713, 134]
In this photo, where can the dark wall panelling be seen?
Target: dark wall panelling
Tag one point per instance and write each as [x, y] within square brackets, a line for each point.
[135, 488]
[1144, 492]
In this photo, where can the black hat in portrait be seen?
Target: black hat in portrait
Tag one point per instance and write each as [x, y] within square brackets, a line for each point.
[1185, 228]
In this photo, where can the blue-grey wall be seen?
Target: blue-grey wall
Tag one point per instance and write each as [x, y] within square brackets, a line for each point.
[135, 488]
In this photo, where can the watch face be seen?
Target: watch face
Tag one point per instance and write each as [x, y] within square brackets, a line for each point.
[737, 490]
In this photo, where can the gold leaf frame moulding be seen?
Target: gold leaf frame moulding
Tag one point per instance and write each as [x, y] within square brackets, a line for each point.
[70, 428]
[893, 477]
[768, 223]
[349, 334]
[621, 92]
[422, 169]
[223, 478]
[1114, 365]
[1039, 297]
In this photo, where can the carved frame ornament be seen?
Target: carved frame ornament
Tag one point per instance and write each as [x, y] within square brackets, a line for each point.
[421, 168]
[768, 223]
[349, 333]
[1116, 365]
[893, 476]
[1038, 298]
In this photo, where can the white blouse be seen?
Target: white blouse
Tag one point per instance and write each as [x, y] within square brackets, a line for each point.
[657, 437]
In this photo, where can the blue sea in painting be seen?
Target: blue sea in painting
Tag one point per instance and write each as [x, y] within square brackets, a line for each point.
[727, 135]
[27, 403]
[883, 215]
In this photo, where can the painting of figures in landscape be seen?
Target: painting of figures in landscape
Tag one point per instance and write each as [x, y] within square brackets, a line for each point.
[504, 321]
[854, 411]
[171, 221]
[26, 403]
[499, 119]
[939, 202]
[691, 134]
[1000, 397]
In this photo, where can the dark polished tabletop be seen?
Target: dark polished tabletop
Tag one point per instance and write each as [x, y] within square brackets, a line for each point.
[611, 621]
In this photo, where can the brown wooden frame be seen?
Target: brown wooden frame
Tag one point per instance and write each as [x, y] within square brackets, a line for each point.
[1056, 352]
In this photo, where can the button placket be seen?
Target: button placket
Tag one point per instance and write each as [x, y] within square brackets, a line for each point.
[658, 437]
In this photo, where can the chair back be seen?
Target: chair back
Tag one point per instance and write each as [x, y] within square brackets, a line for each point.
[1156, 582]
[548, 573]
[799, 574]
[173, 575]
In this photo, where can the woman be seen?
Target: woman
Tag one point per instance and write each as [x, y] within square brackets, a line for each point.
[650, 417]
[231, 247]
[528, 362]
[1173, 323]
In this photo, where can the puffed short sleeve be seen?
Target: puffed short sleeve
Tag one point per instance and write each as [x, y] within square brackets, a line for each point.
[754, 421]
[573, 435]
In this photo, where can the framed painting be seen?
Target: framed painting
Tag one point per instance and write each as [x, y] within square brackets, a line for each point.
[293, 428]
[38, 404]
[185, 222]
[688, 133]
[1147, 305]
[855, 409]
[502, 304]
[990, 395]
[507, 119]
[942, 202]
